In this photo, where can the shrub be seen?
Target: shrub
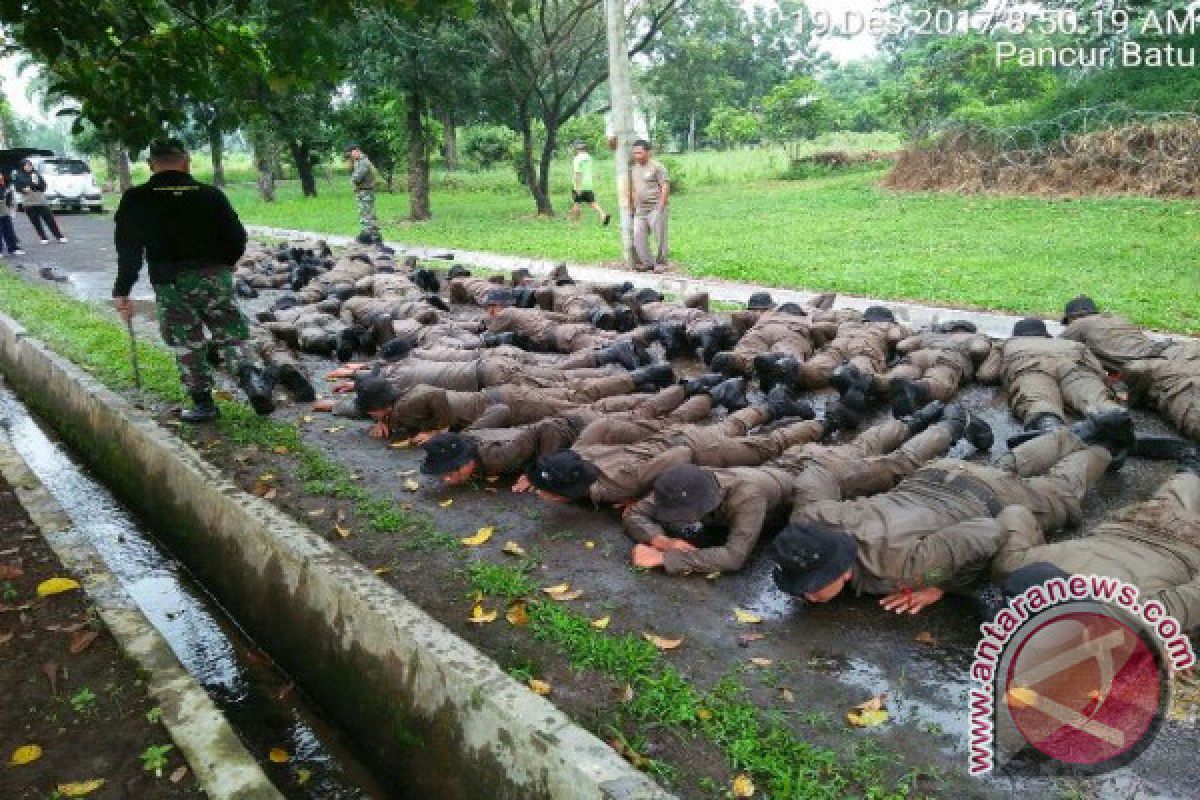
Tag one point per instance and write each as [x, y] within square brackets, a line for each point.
[488, 145]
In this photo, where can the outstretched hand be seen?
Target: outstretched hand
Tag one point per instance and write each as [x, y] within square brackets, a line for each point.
[324, 404]
[646, 557]
[379, 430]
[345, 387]
[912, 602]
[522, 485]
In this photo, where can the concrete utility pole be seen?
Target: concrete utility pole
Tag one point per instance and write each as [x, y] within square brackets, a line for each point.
[621, 98]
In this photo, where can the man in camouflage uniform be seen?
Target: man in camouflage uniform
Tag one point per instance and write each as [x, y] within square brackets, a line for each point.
[190, 237]
[362, 178]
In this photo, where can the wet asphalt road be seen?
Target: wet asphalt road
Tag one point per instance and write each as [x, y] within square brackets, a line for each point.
[829, 657]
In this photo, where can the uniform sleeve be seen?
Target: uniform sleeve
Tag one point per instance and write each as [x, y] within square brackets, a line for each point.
[825, 331]
[130, 243]
[639, 522]
[993, 365]
[230, 230]
[980, 348]
[1182, 602]
[745, 526]
[656, 466]
[496, 415]
[1073, 333]
[422, 408]
[359, 172]
[953, 557]
[1020, 535]
[909, 344]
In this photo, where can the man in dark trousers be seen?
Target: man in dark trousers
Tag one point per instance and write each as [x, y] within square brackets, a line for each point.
[191, 239]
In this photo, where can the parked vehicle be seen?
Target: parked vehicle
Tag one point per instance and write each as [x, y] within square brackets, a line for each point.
[69, 184]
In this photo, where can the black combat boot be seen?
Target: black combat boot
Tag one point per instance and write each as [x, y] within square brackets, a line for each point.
[848, 377]
[294, 381]
[347, 342]
[1111, 429]
[764, 369]
[621, 353]
[203, 409]
[856, 399]
[724, 363]
[923, 417]
[701, 384]
[730, 393]
[257, 386]
[653, 377]
[786, 372]
[839, 417]
[907, 396]
[243, 288]
[1163, 448]
[783, 405]
[969, 426]
[499, 339]
[1042, 423]
[427, 281]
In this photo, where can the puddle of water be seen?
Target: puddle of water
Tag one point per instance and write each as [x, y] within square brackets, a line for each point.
[256, 698]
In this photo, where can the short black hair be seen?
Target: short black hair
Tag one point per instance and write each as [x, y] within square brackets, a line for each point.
[642, 143]
[167, 149]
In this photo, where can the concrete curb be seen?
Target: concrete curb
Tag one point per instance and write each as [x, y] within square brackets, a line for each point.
[430, 710]
[223, 767]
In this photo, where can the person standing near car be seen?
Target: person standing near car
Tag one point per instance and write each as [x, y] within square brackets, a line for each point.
[8, 233]
[363, 177]
[650, 188]
[582, 186]
[30, 184]
[191, 238]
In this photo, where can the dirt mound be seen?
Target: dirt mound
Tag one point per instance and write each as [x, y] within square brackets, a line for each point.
[1155, 159]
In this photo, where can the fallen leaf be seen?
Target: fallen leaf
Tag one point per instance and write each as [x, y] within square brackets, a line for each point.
[341, 531]
[481, 536]
[382, 570]
[539, 687]
[513, 549]
[446, 503]
[79, 641]
[279, 756]
[56, 586]
[307, 418]
[746, 617]
[316, 512]
[517, 615]
[628, 753]
[400, 444]
[302, 776]
[925, 637]
[280, 450]
[747, 638]
[704, 714]
[626, 695]
[601, 623]
[868, 714]
[482, 617]
[662, 642]
[712, 576]
[179, 774]
[25, 754]
[1021, 697]
[589, 544]
[266, 477]
[786, 695]
[80, 788]
[10, 573]
[563, 592]
[411, 485]
[50, 670]
[334, 428]
[558, 588]
[761, 662]
[743, 786]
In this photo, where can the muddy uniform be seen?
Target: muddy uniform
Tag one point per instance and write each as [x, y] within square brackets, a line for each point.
[788, 334]
[694, 320]
[261, 269]
[548, 330]
[442, 334]
[865, 345]
[427, 408]
[1170, 386]
[1047, 376]
[627, 471]
[471, 376]
[471, 291]
[875, 461]
[941, 362]
[577, 304]
[307, 329]
[346, 272]
[1153, 545]
[1116, 342]
[905, 536]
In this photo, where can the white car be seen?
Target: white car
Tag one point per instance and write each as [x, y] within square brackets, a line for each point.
[69, 184]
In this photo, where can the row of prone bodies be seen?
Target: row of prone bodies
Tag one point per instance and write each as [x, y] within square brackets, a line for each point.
[556, 382]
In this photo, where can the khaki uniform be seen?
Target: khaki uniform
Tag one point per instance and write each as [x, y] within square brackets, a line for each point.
[1153, 545]
[940, 361]
[307, 329]
[788, 334]
[627, 471]
[694, 320]
[905, 536]
[471, 290]
[548, 330]
[471, 376]
[362, 311]
[577, 304]
[1116, 342]
[442, 334]
[345, 274]
[866, 345]
[1171, 387]
[1048, 376]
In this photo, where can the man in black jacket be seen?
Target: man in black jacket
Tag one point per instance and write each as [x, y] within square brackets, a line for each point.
[191, 238]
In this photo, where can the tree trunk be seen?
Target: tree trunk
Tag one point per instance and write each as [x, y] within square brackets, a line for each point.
[418, 153]
[541, 186]
[302, 158]
[450, 149]
[216, 144]
[111, 166]
[125, 176]
[262, 165]
[692, 133]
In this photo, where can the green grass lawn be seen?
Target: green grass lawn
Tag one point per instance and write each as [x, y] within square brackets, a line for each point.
[1135, 256]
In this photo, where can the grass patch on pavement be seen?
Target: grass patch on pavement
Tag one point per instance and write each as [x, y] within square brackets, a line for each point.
[1134, 256]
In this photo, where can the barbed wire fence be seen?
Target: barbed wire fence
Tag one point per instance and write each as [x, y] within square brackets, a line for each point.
[1094, 149]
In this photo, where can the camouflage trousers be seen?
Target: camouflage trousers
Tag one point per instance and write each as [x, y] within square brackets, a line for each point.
[196, 300]
[365, 199]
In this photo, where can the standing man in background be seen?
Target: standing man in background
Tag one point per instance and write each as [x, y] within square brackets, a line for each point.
[32, 188]
[363, 177]
[582, 187]
[191, 238]
[649, 189]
